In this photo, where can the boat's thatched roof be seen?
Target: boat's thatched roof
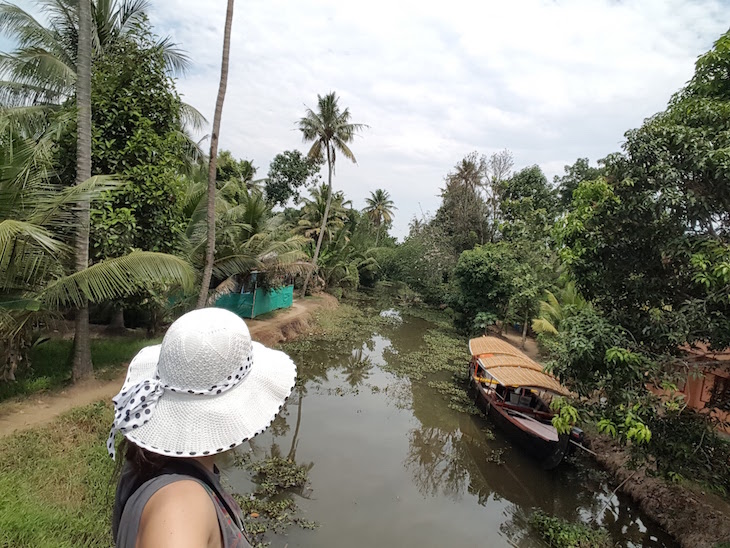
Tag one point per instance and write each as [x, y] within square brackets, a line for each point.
[510, 367]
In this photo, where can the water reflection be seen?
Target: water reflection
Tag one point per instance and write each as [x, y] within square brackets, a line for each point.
[357, 368]
[435, 464]
[393, 465]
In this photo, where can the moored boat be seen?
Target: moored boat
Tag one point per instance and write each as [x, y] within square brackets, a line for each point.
[515, 392]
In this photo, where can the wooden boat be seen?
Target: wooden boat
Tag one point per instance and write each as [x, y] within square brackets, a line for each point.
[515, 392]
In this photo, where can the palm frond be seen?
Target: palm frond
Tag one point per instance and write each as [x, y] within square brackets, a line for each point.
[118, 277]
[13, 232]
[177, 61]
[54, 208]
[541, 325]
[192, 117]
[232, 265]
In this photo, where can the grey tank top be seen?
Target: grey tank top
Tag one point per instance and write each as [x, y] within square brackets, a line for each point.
[231, 526]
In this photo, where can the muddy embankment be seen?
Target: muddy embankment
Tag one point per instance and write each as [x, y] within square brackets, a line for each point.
[695, 519]
[288, 325]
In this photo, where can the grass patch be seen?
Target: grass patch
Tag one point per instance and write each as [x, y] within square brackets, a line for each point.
[56, 482]
[50, 363]
[57, 486]
[560, 533]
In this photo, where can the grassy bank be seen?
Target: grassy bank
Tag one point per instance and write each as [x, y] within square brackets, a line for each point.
[55, 482]
[57, 486]
[51, 363]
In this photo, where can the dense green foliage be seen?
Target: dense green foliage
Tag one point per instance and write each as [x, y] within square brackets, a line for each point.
[618, 267]
[51, 366]
[137, 135]
[290, 172]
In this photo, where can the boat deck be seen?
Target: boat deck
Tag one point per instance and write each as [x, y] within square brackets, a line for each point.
[545, 431]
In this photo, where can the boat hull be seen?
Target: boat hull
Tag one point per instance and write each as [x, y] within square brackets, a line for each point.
[548, 453]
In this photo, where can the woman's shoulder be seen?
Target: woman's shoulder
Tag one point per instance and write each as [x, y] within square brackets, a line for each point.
[181, 513]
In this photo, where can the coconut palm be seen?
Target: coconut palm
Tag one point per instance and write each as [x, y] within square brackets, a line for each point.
[556, 307]
[341, 263]
[39, 77]
[248, 237]
[210, 243]
[82, 365]
[330, 131]
[42, 70]
[39, 219]
[310, 224]
[379, 210]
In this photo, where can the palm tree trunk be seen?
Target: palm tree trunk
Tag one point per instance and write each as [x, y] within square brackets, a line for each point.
[377, 236]
[324, 223]
[210, 248]
[295, 437]
[116, 325]
[82, 365]
[524, 329]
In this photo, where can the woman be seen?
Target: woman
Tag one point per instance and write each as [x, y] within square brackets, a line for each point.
[205, 390]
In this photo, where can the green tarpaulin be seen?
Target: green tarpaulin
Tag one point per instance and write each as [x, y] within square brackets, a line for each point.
[250, 305]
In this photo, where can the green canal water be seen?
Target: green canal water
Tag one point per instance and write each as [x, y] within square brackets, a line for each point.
[391, 464]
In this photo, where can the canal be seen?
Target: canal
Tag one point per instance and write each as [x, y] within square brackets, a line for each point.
[394, 462]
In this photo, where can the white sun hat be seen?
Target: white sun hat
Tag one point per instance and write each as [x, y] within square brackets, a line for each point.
[206, 389]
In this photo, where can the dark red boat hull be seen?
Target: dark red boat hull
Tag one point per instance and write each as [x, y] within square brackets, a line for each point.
[548, 453]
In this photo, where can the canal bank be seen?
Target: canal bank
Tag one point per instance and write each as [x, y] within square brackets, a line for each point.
[695, 518]
[39, 409]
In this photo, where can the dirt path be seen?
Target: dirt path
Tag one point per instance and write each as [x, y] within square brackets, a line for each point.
[40, 409]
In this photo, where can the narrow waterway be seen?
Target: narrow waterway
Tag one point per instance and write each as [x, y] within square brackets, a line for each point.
[390, 464]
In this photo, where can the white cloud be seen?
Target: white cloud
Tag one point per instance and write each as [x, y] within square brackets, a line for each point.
[552, 80]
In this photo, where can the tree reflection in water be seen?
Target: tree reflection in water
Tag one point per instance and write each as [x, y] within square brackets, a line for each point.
[434, 462]
[357, 368]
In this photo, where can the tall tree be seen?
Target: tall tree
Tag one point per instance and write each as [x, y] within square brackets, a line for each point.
[210, 249]
[528, 205]
[41, 72]
[566, 184]
[498, 169]
[82, 365]
[289, 172]
[463, 211]
[379, 209]
[329, 130]
[649, 243]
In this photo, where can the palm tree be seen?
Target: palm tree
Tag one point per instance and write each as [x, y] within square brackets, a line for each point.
[556, 307]
[210, 249]
[248, 237]
[39, 76]
[82, 365]
[38, 217]
[329, 130]
[310, 223]
[41, 72]
[379, 209]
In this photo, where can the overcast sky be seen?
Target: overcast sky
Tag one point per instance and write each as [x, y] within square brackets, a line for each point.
[549, 80]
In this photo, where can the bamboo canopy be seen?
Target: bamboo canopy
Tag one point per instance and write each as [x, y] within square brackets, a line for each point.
[510, 367]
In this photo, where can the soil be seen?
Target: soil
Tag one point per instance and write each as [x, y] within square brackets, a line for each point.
[36, 410]
[693, 517]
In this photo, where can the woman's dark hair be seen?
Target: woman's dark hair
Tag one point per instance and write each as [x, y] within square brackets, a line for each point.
[145, 463]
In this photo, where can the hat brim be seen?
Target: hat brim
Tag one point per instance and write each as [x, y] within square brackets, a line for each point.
[187, 425]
